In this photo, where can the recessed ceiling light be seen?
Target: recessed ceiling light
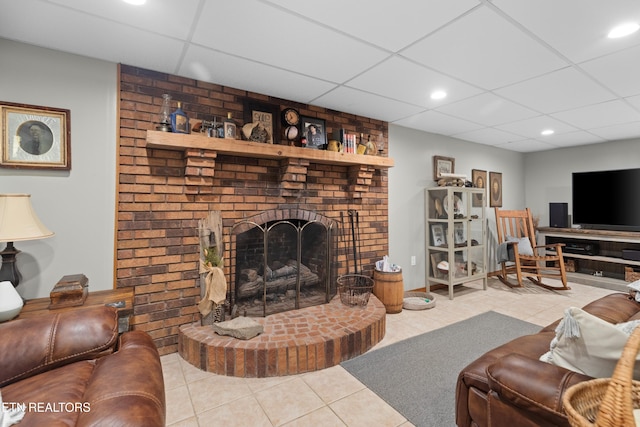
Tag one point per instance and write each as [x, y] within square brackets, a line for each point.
[623, 30]
[135, 2]
[547, 132]
[438, 94]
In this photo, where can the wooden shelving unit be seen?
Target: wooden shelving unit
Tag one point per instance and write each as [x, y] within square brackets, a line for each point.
[608, 262]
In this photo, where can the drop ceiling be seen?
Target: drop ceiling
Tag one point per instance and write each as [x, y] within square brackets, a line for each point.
[511, 68]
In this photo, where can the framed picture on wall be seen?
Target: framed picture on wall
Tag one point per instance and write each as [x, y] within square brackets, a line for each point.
[495, 189]
[35, 137]
[479, 179]
[442, 165]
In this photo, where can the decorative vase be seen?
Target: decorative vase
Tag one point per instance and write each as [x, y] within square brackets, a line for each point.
[10, 301]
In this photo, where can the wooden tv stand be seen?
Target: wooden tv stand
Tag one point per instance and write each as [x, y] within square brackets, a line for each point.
[607, 264]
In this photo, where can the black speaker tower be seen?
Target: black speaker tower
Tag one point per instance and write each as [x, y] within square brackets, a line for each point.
[559, 215]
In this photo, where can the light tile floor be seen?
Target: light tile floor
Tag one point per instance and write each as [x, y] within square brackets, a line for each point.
[332, 397]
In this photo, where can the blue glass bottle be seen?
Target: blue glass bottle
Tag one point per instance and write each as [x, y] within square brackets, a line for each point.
[179, 120]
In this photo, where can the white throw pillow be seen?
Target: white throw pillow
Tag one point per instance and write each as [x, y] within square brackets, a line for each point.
[587, 344]
[524, 245]
[634, 288]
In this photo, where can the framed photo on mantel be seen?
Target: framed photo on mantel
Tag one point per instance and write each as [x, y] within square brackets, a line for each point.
[35, 137]
[314, 130]
[266, 115]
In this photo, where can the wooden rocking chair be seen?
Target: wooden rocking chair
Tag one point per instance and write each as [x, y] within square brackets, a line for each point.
[516, 235]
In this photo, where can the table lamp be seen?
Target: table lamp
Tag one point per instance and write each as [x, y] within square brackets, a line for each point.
[18, 221]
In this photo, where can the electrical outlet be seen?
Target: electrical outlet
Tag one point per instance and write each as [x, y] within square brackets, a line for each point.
[413, 260]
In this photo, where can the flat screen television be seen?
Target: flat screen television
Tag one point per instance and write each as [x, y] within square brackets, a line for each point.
[607, 200]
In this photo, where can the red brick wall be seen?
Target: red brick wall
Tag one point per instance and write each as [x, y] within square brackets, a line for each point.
[158, 213]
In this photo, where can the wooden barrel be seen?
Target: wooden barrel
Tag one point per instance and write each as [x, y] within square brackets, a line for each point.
[388, 287]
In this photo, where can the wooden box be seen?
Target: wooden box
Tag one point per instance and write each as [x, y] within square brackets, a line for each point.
[70, 291]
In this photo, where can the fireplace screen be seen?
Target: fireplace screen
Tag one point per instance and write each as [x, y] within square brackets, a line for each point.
[280, 266]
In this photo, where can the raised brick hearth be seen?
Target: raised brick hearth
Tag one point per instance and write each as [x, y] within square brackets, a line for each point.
[293, 342]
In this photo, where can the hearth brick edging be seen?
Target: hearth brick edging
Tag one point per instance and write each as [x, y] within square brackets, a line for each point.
[293, 342]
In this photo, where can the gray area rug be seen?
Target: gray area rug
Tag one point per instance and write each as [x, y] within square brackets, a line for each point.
[418, 376]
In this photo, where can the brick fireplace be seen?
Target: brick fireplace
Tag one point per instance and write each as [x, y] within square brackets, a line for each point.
[164, 191]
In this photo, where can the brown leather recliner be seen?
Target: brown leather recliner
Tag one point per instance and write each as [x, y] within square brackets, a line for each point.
[73, 369]
[508, 386]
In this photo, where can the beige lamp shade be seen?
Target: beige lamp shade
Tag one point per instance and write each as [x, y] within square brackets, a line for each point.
[18, 221]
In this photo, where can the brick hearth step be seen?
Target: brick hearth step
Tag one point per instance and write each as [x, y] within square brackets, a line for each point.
[293, 342]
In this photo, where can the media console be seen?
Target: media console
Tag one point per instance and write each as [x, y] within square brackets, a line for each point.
[600, 253]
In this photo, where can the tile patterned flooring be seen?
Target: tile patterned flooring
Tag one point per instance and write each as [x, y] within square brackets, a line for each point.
[332, 397]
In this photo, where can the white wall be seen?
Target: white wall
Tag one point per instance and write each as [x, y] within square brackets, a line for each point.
[413, 152]
[78, 205]
[548, 173]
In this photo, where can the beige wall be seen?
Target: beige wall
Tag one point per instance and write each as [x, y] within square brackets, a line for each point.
[413, 153]
[548, 173]
[78, 205]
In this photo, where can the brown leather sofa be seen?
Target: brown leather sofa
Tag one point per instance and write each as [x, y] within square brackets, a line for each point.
[508, 386]
[73, 369]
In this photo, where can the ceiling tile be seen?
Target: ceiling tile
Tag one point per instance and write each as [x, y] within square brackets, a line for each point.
[599, 115]
[206, 65]
[576, 28]
[366, 104]
[406, 81]
[526, 146]
[572, 139]
[622, 131]
[634, 101]
[619, 71]
[83, 34]
[487, 109]
[557, 91]
[435, 122]
[390, 25]
[489, 136]
[484, 50]
[166, 17]
[531, 128]
[322, 52]
[508, 66]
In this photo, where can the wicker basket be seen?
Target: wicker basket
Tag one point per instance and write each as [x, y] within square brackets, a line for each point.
[355, 289]
[408, 304]
[607, 402]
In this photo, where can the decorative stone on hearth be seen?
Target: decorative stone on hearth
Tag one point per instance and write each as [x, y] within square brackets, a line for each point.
[243, 328]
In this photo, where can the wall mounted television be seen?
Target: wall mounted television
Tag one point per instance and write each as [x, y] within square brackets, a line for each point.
[607, 200]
